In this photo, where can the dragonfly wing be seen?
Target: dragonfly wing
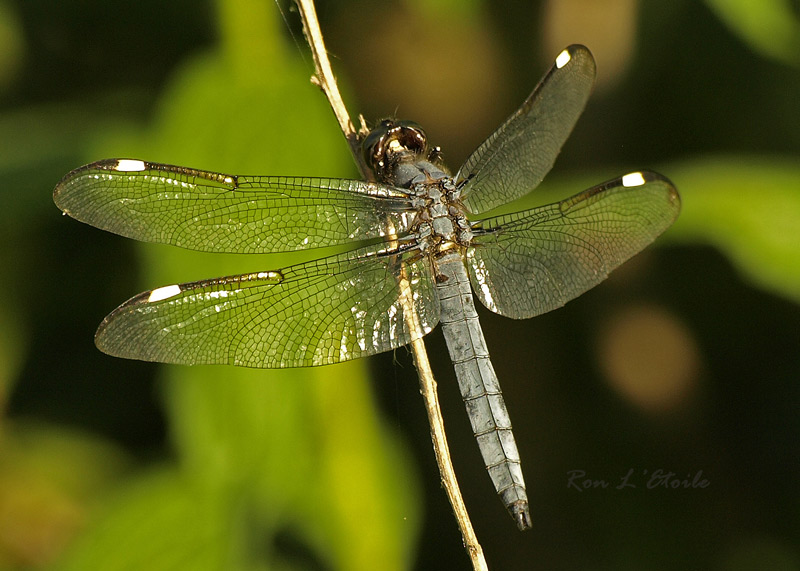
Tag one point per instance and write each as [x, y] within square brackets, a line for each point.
[325, 311]
[516, 157]
[531, 262]
[217, 212]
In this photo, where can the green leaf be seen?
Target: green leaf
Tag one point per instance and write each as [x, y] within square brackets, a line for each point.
[769, 26]
[749, 208]
[162, 520]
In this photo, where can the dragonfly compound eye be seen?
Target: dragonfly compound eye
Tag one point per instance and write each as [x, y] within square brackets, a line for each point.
[392, 138]
[410, 136]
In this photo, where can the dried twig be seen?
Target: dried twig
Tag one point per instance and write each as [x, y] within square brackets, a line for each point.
[327, 82]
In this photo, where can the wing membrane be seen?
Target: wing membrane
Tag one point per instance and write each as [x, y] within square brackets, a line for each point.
[321, 312]
[516, 157]
[531, 262]
[216, 212]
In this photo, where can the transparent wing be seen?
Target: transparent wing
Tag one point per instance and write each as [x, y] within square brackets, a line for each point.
[217, 212]
[516, 157]
[321, 312]
[531, 262]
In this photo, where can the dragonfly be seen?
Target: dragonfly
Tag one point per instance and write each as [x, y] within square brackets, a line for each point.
[421, 251]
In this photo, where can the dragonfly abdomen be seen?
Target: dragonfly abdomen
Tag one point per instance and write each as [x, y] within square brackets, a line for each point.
[479, 386]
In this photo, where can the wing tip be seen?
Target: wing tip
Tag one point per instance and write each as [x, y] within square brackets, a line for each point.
[101, 336]
[576, 52]
[61, 190]
[640, 178]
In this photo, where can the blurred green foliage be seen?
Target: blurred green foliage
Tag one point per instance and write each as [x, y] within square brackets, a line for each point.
[758, 230]
[289, 453]
[771, 26]
[299, 469]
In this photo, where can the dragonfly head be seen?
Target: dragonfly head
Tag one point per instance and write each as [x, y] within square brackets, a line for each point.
[394, 142]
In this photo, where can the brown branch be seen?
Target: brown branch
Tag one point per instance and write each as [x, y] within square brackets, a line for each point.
[325, 79]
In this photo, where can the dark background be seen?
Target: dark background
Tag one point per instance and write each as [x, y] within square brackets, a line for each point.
[685, 360]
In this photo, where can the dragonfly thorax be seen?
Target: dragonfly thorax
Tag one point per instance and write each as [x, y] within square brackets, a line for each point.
[399, 154]
[442, 222]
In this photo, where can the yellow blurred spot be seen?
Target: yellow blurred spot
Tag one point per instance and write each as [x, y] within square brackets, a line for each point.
[649, 357]
[447, 74]
[37, 521]
[607, 28]
[12, 45]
